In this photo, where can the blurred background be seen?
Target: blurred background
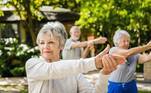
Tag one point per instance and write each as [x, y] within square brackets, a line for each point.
[20, 21]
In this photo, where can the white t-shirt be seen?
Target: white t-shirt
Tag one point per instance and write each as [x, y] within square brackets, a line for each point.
[69, 52]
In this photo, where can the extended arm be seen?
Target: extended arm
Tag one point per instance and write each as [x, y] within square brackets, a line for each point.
[144, 58]
[128, 52]
[38, 69]
[85, 53]
[87, 50]
[100, 40]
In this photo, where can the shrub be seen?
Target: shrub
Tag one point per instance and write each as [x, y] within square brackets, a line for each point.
[13, 56]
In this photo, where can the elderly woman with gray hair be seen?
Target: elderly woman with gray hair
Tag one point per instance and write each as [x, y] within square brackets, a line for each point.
[122, 80]
[49, 74]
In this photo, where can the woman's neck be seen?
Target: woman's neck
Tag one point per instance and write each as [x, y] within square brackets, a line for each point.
[54, 59]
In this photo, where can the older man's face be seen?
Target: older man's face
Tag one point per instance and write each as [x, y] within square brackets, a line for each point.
[75, 34]
[49, 47]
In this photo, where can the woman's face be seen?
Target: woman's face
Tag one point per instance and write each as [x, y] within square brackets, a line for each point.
[124, 42]
[49, 47]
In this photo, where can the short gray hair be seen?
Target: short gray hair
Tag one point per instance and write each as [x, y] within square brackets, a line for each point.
[74, 28]
[118, 34]
[56, 29]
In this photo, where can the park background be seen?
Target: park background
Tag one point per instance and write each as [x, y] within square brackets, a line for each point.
[20, 21]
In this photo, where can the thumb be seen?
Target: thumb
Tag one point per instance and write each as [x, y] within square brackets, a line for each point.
[106, 50]
[149, 43]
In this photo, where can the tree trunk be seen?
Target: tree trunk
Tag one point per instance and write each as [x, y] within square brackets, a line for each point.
[29, 22]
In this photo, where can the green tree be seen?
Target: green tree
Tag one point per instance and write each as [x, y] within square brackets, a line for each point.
[29, 11]
[100, 17]
[104, 17]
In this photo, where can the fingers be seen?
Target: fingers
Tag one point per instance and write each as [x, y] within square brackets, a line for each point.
[109, 64]
[102, 39]
[105, 51]
[90, 43]
[112, 62]
[105, 64]
[149, 44]
[98, 59]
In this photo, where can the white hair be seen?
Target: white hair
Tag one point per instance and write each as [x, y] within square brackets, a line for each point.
[74, 28]
[55, 29]
[118, 34]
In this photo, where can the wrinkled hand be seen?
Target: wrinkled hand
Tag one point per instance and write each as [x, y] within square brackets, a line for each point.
[110, 63]
[90, 47]
[100, 40]
[149, 44]
[98, 59]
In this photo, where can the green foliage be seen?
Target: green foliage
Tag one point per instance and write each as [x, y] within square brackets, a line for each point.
[13, 56]
[104, 17]
[139, 67]
[29, 11]
[1, 13]
[70, 4]
[144, 91]
[25, 90]
[24, 7]
[100, 17]
[18, 71]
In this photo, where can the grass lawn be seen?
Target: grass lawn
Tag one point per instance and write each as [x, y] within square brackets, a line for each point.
[25, 91]
[140, 91]
[144, 91]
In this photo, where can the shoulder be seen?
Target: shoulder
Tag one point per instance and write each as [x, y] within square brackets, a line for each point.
[32, 61]
[113, 49]
[68, 40]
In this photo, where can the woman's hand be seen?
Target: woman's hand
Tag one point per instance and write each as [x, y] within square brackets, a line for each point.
[149, 44]
[108, 62]
[100, 40]
[98, 59]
